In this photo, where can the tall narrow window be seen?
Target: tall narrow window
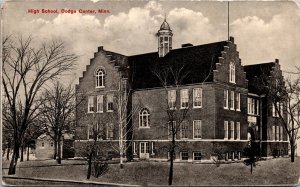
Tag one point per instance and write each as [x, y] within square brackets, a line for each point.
[172, 99]
[144, 118]
[197, 97]
[172, 129]
[232, 72]
[238, 130]
[90, 132]
[277, 133]
[110, 103]
[100, 103]
[249, 105]
[281, 133]
[225, 130]
[100, 77]
[184, 98]
[91, 104]
[197, 131]
[281, 109]
[232, 100]
[232, 130]
[257, 107]
[274, 132]
[109, 131]
[238, 102]
[225, 99]
[184, 130]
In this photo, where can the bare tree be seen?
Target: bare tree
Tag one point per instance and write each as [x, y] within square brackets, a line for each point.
[91, 151]
[284, 95]
[172, 77]
[58, 111]
[25, 70]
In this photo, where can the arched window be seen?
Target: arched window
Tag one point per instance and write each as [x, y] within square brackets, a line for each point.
[100, 78]
[144, 118]
[232, 72]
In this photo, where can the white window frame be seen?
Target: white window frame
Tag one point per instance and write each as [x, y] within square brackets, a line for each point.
[134, 148]
[90, 129]
[197, 122]
[226, 132]
[184, 99]
[152, 148]
[198, 156]
[182, 153]
[169, 130]
[100, 103]
[274, 132]
[232, 130]
[232, 72]
[281, 133]
[197, 98]
[277, 133]
[144, 116]
[172, 99]
[100, 78]
[226, 99]
[184, 126]
[91, 106]
[232, 98]
[238, 130]
[110, 99]
[238, 102]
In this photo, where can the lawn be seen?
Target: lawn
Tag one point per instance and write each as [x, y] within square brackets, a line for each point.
[270, 172]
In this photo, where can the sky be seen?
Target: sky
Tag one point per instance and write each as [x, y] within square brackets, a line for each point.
[263, 31]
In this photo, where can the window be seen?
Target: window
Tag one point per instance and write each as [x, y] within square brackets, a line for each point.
[184, 130]
[90, 132]
[152, 148]
[43, 144]
[172, 99]
[197, 155]
[238, 130]
[253, 106]
[273, 132]
[238, 102]
[144, 118]
[279, 107]
[232, 100]
[172, 129]
[232, 130]
[134, 148]
[110, 103]
[232, 155]
[100, 103]
[197, 97]
[239, 155]
[277, 133]
[232, 72]
[100, 78]
[184, 155]
[281, 133]
[184, 98]
[110, 131]
[226, 130]
[51, 144]
[197, 132]
[91, 104]
[226, 99]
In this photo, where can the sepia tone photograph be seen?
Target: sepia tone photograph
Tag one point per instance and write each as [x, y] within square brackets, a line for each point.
[150, 93]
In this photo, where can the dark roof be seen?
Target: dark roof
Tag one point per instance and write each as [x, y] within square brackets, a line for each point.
[257, 73]
[196, 62]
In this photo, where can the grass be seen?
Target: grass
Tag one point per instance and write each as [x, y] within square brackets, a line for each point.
[270, 172]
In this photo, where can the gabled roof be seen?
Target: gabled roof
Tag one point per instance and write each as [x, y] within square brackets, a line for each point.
[198, 63]
[257, 73]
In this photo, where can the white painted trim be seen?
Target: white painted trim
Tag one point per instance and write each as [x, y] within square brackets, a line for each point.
[178, 140]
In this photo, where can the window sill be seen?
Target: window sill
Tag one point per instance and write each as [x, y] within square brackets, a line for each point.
[197, 138]
[100, 112]
[238, 110]
[232, 82]
[90, 112]
[231, 108]
[197, 106]
[184, 108]
[100, 86]
[226, 108]
[144, 127]
[109, 111]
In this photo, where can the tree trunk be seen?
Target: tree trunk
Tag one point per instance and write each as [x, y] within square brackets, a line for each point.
[89, 172]
[121, 161]
[55, 149]
[7, 153]
[22, 154]
[14, 160]
[58, 150]
[171, 167]
[292, 152]
[27, 152]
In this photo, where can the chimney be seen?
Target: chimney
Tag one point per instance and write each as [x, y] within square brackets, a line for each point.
[231, 39]
[187, 45]
[276, 61]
